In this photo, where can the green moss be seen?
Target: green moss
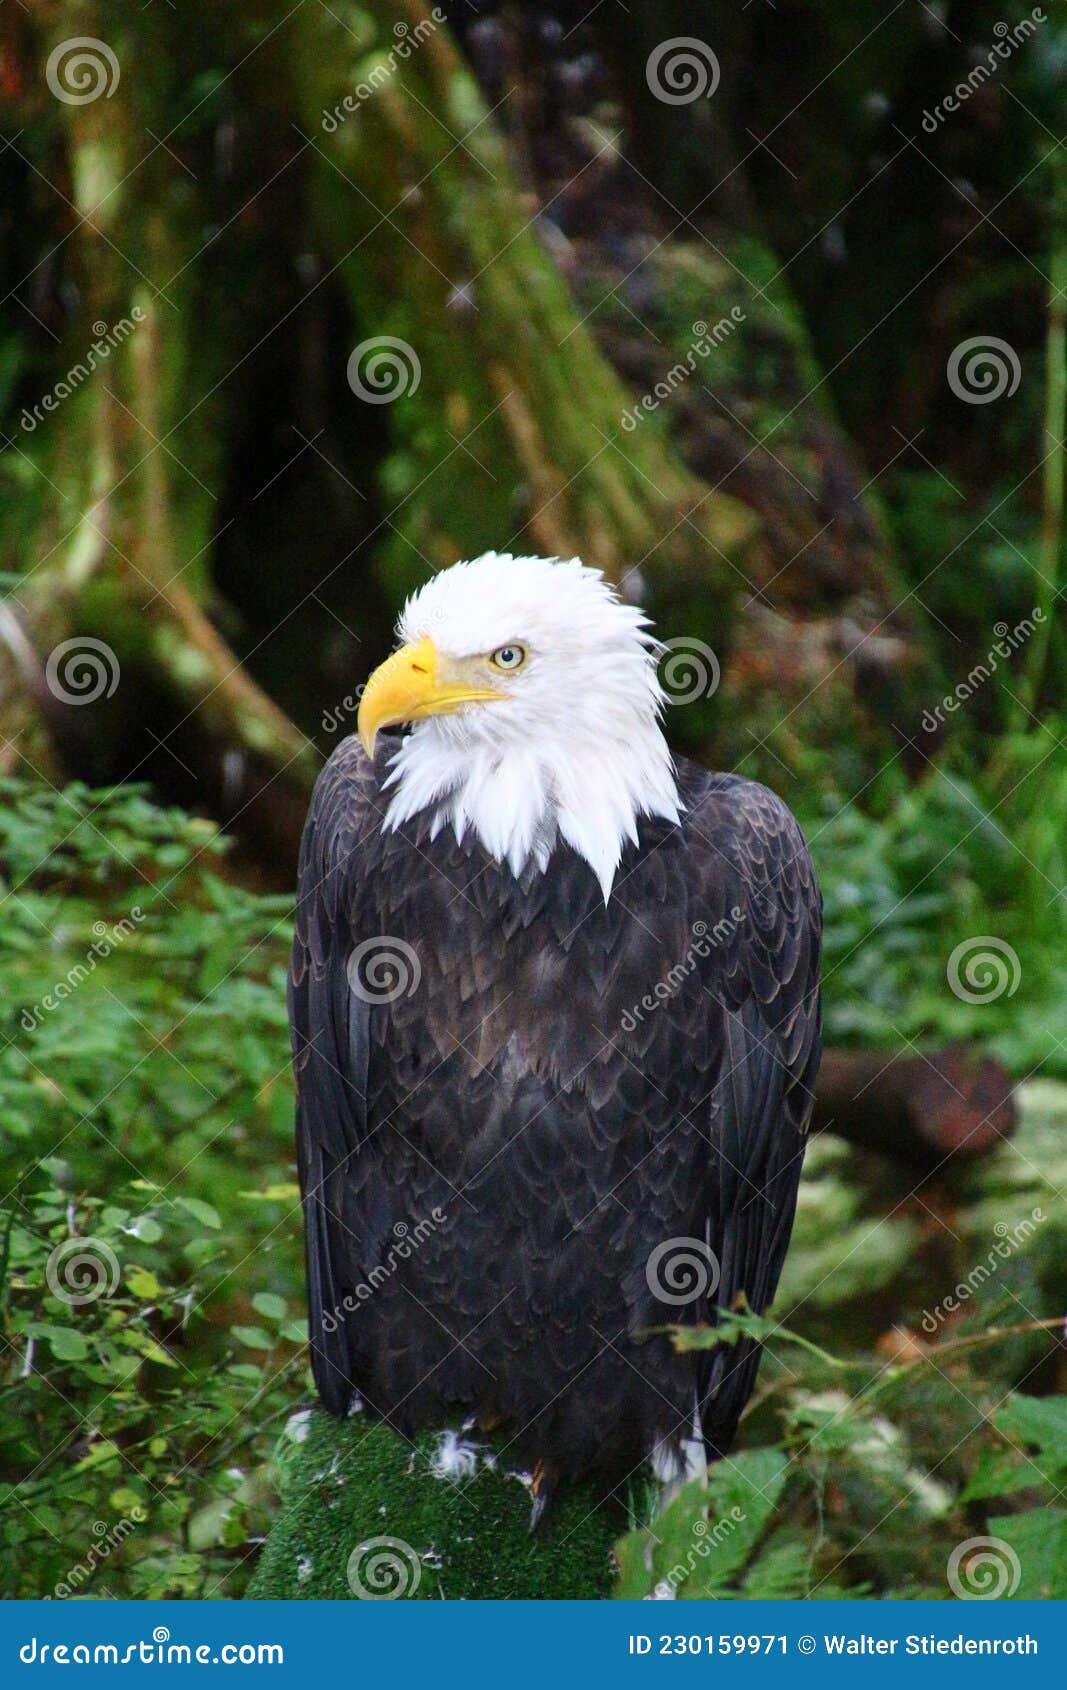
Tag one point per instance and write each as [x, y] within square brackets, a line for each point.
[352, 1482]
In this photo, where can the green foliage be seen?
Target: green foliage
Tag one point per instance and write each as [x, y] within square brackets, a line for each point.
[146, 1161]
[921, 870]
[911, 1330]
[700, 1546]
[855, 1498]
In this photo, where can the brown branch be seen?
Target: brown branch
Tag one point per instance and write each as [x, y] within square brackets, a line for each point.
[919, 1108]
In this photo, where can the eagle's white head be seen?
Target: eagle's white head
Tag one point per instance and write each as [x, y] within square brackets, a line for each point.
[535, 706]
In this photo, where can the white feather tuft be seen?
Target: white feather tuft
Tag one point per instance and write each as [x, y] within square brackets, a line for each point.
[456, 1458]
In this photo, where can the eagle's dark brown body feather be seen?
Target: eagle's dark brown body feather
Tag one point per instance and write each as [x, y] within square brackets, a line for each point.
[524, 1092]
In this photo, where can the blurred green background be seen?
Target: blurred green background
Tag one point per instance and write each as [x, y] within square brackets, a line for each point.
[760, 310]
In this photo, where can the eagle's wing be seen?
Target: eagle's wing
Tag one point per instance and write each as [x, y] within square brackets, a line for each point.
[330, 1033]
[764, 984]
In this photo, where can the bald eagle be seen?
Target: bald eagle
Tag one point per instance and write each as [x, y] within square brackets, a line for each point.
[554, 1003]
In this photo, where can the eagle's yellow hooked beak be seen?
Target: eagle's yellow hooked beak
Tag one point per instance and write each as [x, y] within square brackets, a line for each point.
[415, 682]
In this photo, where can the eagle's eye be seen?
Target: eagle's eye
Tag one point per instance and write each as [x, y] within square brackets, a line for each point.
[508, 657]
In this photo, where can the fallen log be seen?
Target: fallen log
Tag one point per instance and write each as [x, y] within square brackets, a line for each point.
[920, 1107]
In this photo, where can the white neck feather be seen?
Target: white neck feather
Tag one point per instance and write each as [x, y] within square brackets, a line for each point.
[584, 788]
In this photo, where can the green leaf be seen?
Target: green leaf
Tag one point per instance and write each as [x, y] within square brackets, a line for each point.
[124, 1499]
[143, 1284]
[1040, 1422]
[65, 1343]
[253, 1336]
[269, 1306]
[207, 1525]
[999, 1472]
[147, 1229]
[1038, 1539]
[203, 1212]
[702, 1541]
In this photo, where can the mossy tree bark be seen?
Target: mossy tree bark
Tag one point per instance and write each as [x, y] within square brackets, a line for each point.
[129, 472]
[513, 434]
[509, 431]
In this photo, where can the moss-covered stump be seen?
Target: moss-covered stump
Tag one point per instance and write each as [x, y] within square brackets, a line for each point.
[363, 1516]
